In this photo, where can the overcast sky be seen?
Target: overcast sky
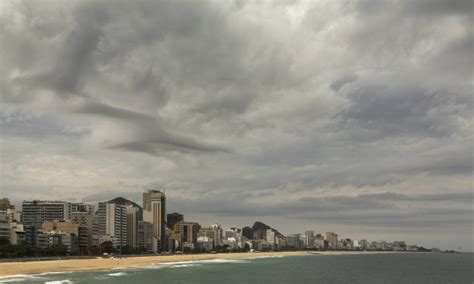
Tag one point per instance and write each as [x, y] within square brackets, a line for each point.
[346, 116]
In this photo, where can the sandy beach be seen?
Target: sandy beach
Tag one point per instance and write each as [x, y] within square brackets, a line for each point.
[37, 267]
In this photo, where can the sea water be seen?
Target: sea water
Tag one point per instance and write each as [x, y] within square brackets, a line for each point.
[360, 268]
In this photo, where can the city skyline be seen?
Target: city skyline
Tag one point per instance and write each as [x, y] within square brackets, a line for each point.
[159, 218]
[352, 117]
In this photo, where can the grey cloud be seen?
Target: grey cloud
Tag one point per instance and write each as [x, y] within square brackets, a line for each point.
[233, 104]
[149, 133]
[399, 109]
[365, 209]
[445, 197]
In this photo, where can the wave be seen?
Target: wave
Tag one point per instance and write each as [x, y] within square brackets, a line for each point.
[18, 278]
[117, 274]
[264, 256]
[185, 264]
[66, 281]
[206, 261]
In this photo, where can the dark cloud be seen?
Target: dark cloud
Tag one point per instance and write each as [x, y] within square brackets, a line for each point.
[381, 209]
[405, 108]
[331, 112]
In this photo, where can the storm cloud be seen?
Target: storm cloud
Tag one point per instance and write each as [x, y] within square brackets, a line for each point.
[352, 116]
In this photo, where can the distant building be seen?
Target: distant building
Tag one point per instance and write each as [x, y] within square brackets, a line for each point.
[112, 221]
[132, 226]
[176, 237]
[331, 238]
[309, 240]
[173, 219]
[205, 243]
[5, 226]
[189, 231]
[145, 235]
[230, 234]
[50, 238]
[64, 233]
[37, 211]
[5, 204]
[82, 208]
[214, 232]
[85, 221]
[154, 212]
[271, 236]
[294, 241]
[61, 226]
[247, 232]
[363, 244]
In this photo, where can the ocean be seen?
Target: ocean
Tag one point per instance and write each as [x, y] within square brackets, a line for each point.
[355, 268]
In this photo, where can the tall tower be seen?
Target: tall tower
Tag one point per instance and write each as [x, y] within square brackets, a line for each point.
[112, 221]
[154, 212]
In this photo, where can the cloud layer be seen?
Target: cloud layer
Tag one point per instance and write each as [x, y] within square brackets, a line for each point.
[353, 116]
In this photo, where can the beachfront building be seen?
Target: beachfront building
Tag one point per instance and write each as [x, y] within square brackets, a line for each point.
[82, 207]
[145, 235]
[205, 242]
[188, 231]
[17, 233]
[294, 241]
[112, 222]
[173, 219]
[65, 233]
[154, 212]
[331, 238]
[37, 211]
[132, 226]
[213, 232]
[85, 221]
[5, 226]
[309, 240]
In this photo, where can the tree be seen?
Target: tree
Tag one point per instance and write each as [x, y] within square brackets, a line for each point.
[106, 247]
[187, 250]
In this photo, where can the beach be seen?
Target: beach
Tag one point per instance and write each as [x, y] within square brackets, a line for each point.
[38, 267]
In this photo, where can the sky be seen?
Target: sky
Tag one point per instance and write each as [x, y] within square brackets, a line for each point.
[345, 116]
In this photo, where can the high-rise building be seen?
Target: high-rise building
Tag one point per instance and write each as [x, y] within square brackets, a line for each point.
[173, 219]
[294, 241]
[5, 204]
[37, 211]
[145, 235]
[5, 226]
[17, 233]
[331, 238]
[86, 224]
[154, 212]
[61, 226]
[82, 207]
[112, 221]
[271, 236]
[214, 233]
[189, 231]
[132, 226]
[309, 239]
[247, 232]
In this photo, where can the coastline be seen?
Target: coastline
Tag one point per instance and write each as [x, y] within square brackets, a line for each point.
[8, 269]
[76, 265]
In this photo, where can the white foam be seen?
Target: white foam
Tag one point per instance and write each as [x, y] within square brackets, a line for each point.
[117, 274]
[17, 278]
[56, 272]
[184, 265]
[66, 281]
[265, 256]
[206, 261]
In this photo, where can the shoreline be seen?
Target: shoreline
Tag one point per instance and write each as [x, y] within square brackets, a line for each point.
[97, 264]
